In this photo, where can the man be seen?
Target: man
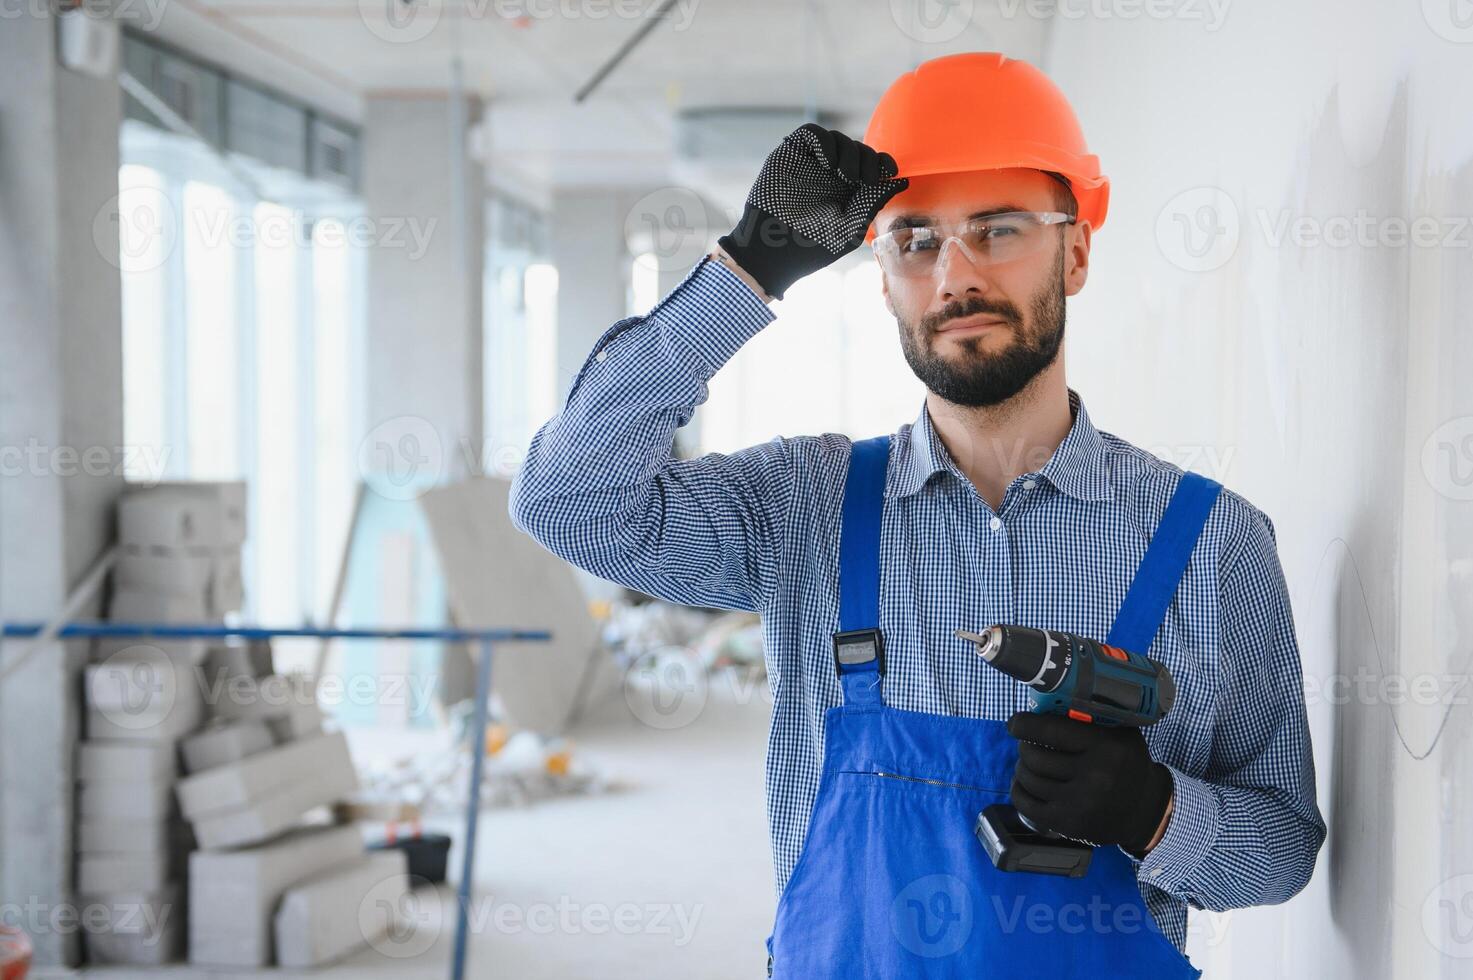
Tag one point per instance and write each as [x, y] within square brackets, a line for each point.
[1001, 503]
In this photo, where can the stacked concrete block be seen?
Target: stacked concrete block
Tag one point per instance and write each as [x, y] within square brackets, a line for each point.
[234, 895]
[339, 912]
[225, 742]
[257, 775]
[286, 703]
[258, 797]
[178, 563]
[137, 928]
[179, 560]
[131, 850]
[142, 693]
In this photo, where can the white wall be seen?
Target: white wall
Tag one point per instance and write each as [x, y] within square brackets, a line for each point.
[1317, 379]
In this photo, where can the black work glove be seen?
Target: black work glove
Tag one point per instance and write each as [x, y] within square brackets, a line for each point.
[1095, 783]
[812, 203]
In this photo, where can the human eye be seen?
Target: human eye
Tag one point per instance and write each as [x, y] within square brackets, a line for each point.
[918, 240]
[1003, 227]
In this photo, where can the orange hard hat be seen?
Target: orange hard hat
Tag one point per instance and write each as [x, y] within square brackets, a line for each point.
[982, 110]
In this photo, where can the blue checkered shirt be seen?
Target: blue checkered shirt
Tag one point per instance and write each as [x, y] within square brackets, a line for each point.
[758, 529]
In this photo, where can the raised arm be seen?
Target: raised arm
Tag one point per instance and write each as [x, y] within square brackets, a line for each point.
[599, 485]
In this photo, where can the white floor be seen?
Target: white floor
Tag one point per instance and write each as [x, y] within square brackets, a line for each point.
[672, 878]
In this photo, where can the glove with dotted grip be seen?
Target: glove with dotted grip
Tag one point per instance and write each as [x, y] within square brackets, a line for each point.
[813, 200]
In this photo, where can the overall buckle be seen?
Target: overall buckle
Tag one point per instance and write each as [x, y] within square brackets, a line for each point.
[855, 650]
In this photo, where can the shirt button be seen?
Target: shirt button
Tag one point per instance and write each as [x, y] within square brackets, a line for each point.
[1029, 484]
[995, 523]
[601, 355]
[1155, 872]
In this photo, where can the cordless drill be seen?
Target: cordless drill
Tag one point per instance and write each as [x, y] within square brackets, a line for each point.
[1086, 680]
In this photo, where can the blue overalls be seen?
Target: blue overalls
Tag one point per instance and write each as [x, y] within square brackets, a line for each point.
[891, 882]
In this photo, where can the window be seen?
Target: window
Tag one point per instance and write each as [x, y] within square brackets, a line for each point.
[830, 362]
[520, 333]
[240, 355]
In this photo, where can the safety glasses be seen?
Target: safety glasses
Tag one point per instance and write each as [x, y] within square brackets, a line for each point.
[917, 252]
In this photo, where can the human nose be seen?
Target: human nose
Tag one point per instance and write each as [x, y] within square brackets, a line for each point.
[957, 271]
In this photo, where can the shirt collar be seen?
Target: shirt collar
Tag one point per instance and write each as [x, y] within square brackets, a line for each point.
[1077, 466]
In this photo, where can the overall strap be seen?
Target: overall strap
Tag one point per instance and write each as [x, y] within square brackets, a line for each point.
[1160, 570]
[859, 650]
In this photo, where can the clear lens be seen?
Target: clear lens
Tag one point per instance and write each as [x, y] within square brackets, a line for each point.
[912, 252]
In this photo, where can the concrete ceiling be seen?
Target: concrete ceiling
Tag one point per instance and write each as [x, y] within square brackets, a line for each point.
[527, 59]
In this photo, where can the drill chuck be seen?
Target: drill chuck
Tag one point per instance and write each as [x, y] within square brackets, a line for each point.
[1074, 674]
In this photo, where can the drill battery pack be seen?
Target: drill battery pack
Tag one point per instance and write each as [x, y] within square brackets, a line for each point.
[1014, 846]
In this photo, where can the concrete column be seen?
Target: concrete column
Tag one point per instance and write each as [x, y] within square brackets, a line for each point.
[424, 327]
[587, 245]
[424, 285]
[61, 432]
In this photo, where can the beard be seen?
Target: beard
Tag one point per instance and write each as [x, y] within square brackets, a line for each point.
[976, 378]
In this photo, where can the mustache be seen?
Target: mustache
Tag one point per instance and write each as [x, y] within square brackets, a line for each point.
[956, 311]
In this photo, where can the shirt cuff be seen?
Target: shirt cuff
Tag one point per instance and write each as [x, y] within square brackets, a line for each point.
[714, 312]
[1188, 838]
